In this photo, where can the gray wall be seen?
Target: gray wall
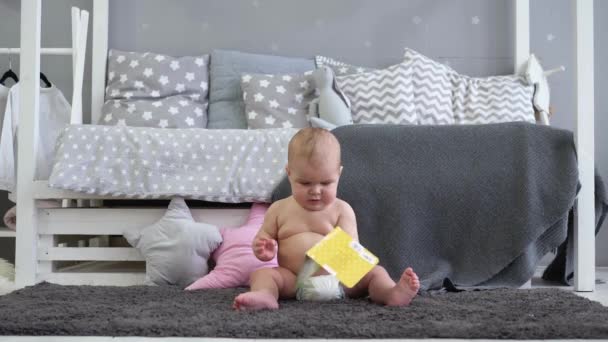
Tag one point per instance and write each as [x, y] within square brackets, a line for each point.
[475, 37]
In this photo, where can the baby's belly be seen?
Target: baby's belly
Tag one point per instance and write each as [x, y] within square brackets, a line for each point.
[292, 250]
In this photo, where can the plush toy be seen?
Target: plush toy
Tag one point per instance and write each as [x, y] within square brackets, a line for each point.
[331, 108]
[176, 248]
[536, 76]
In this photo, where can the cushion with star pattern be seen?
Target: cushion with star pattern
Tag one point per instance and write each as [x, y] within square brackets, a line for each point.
[275, 101]
[176, 248]
[226, 107]
[154, 90]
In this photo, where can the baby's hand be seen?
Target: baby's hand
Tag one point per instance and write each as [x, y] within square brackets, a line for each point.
[265, 249]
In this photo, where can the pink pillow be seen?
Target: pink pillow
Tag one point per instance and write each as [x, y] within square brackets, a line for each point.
[234, 259]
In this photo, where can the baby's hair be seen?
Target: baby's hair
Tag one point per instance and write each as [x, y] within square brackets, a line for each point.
[312, 142]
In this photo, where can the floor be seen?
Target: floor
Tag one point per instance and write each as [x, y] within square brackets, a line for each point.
[599, 295]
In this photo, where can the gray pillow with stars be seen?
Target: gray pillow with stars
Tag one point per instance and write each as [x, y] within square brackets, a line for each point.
[176, 248]
[277, 101]
[154, 90]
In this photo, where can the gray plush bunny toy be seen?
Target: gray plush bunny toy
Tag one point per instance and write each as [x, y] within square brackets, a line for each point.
[331, 108]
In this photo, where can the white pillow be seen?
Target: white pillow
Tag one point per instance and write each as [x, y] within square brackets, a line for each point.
[176, 248]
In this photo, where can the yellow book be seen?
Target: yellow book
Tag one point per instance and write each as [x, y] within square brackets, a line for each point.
[343, 257]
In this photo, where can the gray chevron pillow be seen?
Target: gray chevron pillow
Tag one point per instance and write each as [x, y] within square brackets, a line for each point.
[492, 99]
[442, 96]
[381, 96]
[432, 82]
[340, 68]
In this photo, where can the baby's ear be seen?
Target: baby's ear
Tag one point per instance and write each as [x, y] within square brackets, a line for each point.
[341, 167]
[287, 170]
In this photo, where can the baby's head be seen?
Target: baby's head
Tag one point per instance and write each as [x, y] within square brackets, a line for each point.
[314, 167]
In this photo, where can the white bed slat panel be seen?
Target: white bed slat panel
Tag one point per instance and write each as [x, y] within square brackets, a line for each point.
[110, 221]
[27, 237]
[90, 253]
[100, 278]
[584, 229]
[44, 51]
[42, 191]
[5, 232]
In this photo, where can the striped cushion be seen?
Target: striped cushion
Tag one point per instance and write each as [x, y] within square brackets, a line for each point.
[442, 96]
[431, 93]
[381, 96]
[432, 82]
[492, 99]
[340, 68]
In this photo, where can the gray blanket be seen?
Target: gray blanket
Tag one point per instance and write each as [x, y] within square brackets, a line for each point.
[478, 204]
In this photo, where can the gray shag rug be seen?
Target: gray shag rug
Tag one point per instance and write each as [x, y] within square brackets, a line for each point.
[48, 309]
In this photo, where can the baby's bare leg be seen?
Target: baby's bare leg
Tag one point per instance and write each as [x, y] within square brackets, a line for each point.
[267, 286]
[383, 290]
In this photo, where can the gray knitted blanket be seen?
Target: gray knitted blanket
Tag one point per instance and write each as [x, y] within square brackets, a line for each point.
[478, 204]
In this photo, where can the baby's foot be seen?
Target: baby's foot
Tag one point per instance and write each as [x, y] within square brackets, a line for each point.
[258, 300]
[405, 290]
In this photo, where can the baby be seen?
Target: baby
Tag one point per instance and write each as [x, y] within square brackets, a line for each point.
[294, 224]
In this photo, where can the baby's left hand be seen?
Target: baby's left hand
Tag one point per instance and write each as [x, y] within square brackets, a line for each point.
[265, 249]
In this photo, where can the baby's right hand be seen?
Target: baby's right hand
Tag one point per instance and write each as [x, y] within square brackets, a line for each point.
[265, 249]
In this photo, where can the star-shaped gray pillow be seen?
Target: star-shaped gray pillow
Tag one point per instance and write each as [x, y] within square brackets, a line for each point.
[176, 248]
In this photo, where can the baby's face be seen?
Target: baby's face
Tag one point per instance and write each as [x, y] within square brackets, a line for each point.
[314, 184]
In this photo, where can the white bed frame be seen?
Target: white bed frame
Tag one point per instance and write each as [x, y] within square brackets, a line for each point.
[38, 228]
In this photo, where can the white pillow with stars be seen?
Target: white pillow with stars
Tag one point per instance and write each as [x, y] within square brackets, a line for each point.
[176, 248]
[277, 101]
[154, 90]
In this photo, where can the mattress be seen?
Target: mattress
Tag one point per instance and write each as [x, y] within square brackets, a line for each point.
[228, 165]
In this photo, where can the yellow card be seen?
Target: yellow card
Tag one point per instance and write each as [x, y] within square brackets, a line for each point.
[343, 257]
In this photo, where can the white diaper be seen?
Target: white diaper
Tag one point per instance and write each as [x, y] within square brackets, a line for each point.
[318, 288]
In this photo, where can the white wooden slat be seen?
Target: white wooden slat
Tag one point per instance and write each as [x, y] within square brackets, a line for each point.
[522, 34]
[25, 254]
[45, 242]
[97, 278]
[42, 191]
[43, 51]
[584, 224]
[81, 48]
[76, 114]
[89, 254]
[5, 232]
[75, 32]
[99, 56]
[113, 221]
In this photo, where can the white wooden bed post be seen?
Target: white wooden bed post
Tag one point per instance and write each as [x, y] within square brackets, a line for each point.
[27, 216]
[522, 35]
[522, 51]
[584, 224]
